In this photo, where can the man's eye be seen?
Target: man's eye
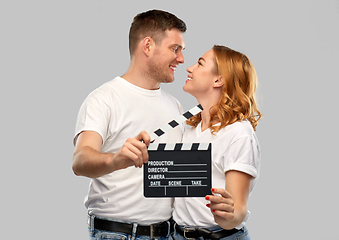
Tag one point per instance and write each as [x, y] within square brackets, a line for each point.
[175, 50]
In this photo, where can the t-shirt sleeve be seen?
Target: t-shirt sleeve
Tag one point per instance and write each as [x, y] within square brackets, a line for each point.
[94, 115]
[242, 155]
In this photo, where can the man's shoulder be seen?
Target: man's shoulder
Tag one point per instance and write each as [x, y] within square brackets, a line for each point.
[106, 89]
[166, 94]
[174, 100]
[170, 96]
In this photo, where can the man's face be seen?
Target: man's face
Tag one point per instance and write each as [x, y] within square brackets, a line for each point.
[167, 56]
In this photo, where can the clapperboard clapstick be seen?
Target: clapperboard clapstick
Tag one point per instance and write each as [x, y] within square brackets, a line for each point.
[174, 123]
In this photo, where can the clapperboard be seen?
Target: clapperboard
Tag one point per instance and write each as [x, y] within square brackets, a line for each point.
[178, 169]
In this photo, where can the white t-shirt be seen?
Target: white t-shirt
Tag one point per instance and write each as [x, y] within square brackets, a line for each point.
[234, 147]
[118, 110]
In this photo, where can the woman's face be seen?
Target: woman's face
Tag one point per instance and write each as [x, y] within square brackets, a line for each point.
[202, 75]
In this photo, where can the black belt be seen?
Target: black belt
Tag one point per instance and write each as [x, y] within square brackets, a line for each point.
[192, 233]
[153, 230]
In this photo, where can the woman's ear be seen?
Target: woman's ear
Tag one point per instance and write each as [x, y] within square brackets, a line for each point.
[147, 45]
[219, 82]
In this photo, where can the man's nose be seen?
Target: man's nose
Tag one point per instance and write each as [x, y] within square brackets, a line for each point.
[180, 57]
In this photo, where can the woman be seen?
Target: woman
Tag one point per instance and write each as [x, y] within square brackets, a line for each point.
[224, 83]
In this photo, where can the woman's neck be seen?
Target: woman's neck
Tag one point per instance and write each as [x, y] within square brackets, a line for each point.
[206, 121]
[207, 103]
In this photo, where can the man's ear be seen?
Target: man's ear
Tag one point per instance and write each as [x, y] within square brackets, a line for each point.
[219, 82]
[147, 45]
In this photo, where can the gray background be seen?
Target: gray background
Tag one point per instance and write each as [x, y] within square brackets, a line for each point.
[53, 53]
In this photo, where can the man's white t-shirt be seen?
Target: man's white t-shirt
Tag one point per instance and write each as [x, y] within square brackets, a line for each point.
[234, 147]
[118, 110]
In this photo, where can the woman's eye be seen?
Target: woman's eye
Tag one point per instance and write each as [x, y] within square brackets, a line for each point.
[199, 63]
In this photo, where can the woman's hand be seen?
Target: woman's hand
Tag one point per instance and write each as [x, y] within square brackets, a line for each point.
[229, 207]
[222, 205]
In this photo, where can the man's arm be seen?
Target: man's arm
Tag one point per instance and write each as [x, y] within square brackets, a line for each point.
[89, 161]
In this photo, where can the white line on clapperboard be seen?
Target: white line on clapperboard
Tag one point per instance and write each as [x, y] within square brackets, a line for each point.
[188, 164]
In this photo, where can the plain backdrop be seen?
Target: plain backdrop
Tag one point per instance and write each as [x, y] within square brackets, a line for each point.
[54, 53]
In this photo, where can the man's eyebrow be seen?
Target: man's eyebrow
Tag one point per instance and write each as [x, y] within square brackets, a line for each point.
[177, 45]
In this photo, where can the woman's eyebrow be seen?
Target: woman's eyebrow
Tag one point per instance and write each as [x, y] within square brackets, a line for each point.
[201, 58]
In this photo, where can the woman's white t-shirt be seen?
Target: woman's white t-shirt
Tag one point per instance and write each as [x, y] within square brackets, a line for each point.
[234, 147]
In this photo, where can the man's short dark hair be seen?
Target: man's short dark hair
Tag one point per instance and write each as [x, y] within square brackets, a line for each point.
[152, 24]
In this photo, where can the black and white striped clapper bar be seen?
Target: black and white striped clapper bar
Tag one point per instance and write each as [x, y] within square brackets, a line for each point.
[178, 170]
[176, 122]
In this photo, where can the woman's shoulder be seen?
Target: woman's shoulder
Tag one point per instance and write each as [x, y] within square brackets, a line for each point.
[238, 129]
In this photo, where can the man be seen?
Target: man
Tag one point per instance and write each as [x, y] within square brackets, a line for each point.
[122, 108]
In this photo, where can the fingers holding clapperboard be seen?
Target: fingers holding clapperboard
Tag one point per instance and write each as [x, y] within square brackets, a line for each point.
[133, 152]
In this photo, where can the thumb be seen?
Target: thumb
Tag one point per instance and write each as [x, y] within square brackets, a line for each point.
[222, 192]
[144, 137]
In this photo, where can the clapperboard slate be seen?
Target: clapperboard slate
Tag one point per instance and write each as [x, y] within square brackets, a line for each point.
[178, 170]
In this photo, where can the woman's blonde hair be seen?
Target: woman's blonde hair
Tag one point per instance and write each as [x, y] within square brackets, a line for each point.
[237, 101]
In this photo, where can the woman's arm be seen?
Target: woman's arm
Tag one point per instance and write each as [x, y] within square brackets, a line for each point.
[230, 208]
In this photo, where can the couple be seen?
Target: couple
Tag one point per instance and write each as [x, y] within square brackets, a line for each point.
[224, 83]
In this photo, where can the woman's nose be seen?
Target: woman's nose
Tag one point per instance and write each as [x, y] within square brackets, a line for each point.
[189, 69]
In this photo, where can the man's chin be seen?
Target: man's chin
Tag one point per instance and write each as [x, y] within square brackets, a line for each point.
[168, 80]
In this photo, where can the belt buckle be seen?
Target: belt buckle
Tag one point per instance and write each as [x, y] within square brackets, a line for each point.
[153, 227]
[186, 230]
[151, 231]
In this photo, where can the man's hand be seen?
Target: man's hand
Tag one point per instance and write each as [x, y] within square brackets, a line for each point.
[89, 161]
[133, 152]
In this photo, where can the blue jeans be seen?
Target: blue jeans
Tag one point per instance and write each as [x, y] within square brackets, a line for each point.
[240, 235]
[96, 234]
